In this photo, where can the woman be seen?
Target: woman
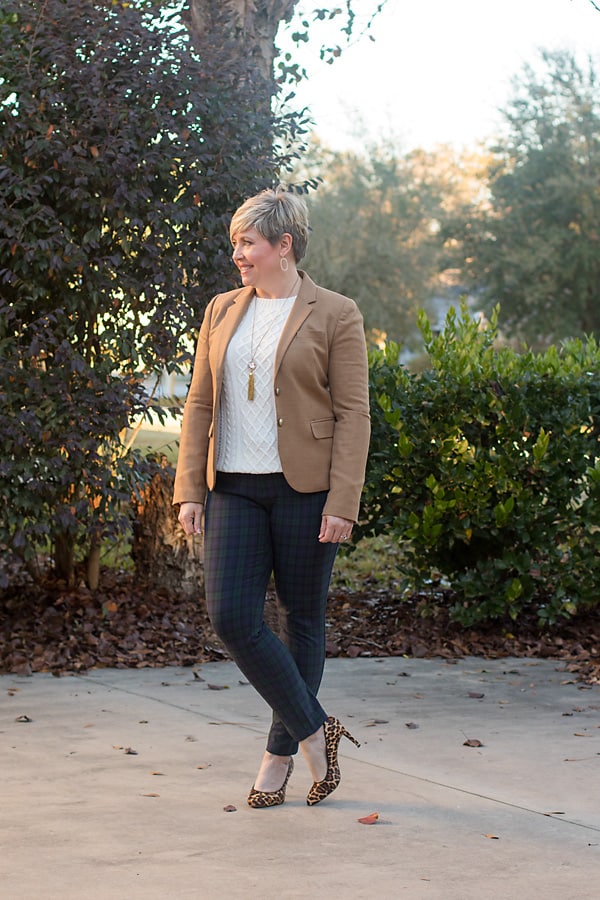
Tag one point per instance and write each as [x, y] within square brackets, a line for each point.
[274, 439]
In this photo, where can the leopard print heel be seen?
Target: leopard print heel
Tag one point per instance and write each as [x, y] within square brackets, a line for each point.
[334, 732]
[264, 799]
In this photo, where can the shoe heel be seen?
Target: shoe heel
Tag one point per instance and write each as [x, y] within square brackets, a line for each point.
[350, 737]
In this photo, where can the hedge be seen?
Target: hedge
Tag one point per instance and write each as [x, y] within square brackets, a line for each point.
[485, 468]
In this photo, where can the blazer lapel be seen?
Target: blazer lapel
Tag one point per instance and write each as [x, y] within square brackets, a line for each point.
[301, 309]
[231, 320]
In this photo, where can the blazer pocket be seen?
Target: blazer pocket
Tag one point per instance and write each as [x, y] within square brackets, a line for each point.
[316, 336]
[323, 428]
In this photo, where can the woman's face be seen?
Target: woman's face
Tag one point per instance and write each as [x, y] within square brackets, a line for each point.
[256, 258]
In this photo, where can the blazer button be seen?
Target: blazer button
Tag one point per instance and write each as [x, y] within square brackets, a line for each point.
[280, 422]
[277, 391]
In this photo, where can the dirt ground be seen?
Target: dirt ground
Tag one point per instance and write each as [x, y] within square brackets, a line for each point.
[126, 625]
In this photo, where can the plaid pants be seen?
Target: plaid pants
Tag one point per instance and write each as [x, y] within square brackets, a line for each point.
[256, 525]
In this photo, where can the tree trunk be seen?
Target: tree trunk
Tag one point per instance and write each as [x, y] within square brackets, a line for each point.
[250, 24]
[162, 554]
[93, 561]
[64, 557]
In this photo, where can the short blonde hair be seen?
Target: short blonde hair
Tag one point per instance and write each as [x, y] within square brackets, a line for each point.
[274, 212]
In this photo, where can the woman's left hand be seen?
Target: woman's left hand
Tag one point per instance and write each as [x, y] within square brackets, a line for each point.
[335, 530]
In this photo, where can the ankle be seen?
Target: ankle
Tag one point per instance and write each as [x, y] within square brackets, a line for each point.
[317, 738]
[272, 772]
[314, 752]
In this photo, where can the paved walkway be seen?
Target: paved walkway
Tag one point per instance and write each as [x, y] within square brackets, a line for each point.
[115, 784]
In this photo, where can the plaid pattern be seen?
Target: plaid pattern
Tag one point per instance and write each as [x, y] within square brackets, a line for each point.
[256, 525]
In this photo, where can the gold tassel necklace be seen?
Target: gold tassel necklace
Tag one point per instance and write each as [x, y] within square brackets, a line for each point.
[254, 350]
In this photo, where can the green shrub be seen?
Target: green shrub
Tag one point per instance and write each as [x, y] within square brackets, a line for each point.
[122, 155]
[485, 468]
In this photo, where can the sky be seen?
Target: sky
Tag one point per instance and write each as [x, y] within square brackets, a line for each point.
[438, 70]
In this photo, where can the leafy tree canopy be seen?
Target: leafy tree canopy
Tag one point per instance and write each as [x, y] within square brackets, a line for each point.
[120, 164]
[534, 244]
[375, 220]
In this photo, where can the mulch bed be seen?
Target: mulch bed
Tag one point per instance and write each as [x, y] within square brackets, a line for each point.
[125, 624]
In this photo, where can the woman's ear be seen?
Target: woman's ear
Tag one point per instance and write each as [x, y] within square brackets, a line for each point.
[285, 243]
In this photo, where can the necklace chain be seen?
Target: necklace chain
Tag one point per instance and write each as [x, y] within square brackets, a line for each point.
[253, 349]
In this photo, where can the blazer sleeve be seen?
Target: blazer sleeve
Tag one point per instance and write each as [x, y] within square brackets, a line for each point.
[349, 387]
[190, 476]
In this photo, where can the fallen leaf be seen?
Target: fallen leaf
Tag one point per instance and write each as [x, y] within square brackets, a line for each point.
[129, 751]
[475, 695]
[150, 795]
[374, 722]
[411, 724]
[23, 719]
[472, 742]
[217, 687]
[556, 813]
[370, 819]
[492, 837]
[204, 766]
[157, 773]
[230, 808]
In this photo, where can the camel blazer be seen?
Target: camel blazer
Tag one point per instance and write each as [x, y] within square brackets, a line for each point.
[320, 381]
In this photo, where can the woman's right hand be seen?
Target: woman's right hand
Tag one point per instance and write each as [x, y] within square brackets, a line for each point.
[190, 517]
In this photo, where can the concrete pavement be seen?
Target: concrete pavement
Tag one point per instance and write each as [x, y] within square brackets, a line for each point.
[115, 784]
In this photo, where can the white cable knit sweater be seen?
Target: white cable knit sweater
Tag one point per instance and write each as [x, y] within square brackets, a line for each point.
[248, 428]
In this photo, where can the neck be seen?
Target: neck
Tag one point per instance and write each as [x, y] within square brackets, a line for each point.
[286, 286]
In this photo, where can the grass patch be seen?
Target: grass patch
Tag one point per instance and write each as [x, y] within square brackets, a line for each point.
[376, 560]
[116, 554]
[153, 441]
